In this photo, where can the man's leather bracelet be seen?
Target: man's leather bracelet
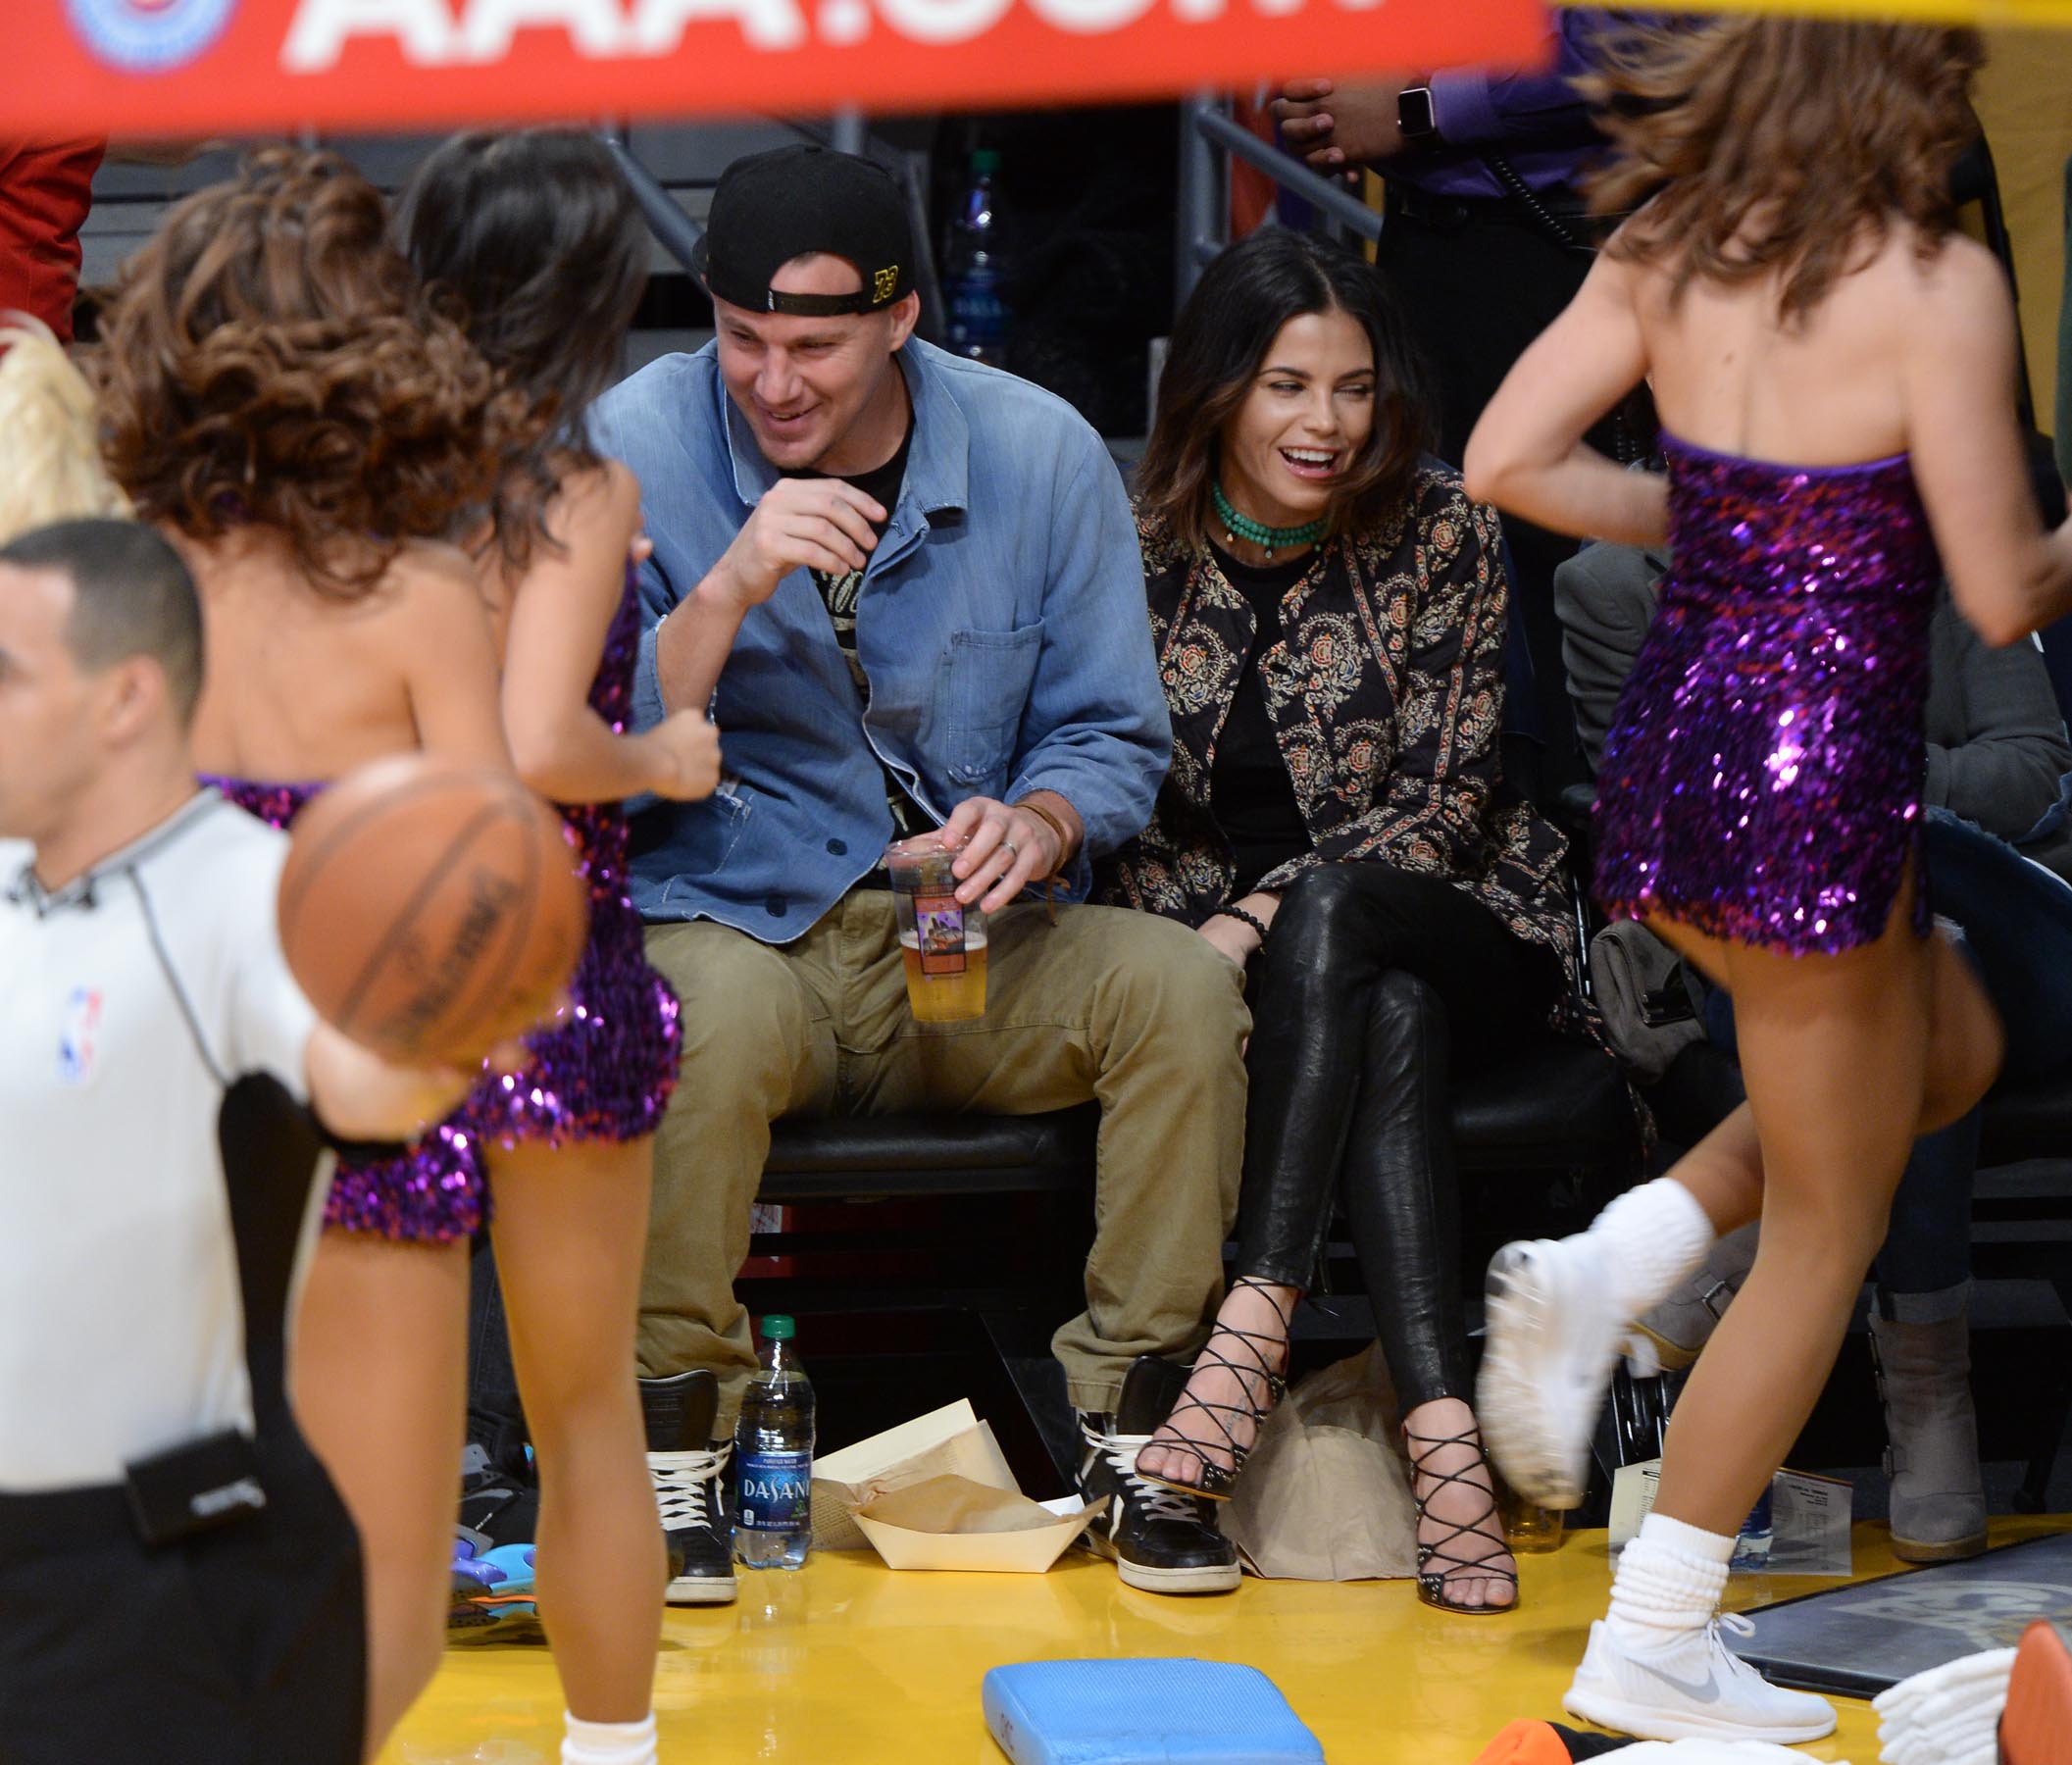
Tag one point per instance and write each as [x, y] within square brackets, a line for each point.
[1056, 827]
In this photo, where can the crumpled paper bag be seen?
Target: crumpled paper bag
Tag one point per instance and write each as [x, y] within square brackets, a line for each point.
[951, 1441]
[952, 1522]
[1326, 1494]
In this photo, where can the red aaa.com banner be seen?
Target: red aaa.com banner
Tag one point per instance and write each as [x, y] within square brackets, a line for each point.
[172, 67]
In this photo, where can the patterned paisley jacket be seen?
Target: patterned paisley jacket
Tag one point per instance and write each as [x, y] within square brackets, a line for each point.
[1387, 693]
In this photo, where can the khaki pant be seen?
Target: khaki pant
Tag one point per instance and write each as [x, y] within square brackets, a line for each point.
[1135, 1011]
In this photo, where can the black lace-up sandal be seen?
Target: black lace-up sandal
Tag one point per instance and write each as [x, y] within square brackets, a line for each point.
[1256, 1374]
[1486, 1526]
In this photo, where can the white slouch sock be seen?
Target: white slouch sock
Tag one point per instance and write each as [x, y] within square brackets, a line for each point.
[1669, 1583]
[609, 1742]
[1651, 1237]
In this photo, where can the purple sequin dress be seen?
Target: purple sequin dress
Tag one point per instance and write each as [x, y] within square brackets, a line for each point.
[604, 1073]
[1762, 778]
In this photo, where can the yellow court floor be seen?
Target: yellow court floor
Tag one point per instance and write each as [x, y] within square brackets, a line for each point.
[849, 1661]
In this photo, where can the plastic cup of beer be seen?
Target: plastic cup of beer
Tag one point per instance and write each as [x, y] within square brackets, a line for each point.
[941, 940]
[1527, 1528]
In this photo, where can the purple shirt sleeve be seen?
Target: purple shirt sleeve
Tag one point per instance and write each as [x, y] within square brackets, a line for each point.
[1474, 108]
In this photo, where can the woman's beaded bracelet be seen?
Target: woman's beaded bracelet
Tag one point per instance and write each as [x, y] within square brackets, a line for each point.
[1245, 916]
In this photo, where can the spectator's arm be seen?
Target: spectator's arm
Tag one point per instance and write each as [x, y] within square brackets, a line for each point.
[1095, 731]
[1472, 107]
[2005, 772]
[1605, 598]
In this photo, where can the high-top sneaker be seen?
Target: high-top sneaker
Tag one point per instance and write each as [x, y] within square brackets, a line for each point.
[499, 1486]
[1924, 1377]
[499, 1513]
[1161, 1540]
[688, 1466]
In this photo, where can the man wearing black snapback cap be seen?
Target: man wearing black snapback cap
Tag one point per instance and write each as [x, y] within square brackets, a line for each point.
[909, 589]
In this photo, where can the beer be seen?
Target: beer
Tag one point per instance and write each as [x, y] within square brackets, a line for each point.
[945, 998]
[1527, 1527]
[941, 939]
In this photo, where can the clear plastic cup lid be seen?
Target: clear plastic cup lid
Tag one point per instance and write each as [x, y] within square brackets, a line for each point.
[931, 844]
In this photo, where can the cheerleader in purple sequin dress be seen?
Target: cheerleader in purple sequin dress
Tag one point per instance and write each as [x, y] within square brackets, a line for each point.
[274, 388]
[603, 1072]
[1835, 368]
[536, 237]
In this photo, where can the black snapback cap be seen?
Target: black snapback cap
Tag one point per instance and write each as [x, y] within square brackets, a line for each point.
[795, 201]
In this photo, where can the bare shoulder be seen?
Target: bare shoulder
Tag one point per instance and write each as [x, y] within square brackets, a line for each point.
[432, 587]
[605, 488]
[594, 504]
[1956, 279]
[1621, 279]
[436, 571]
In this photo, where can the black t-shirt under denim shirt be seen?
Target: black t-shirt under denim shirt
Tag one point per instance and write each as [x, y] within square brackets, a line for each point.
[1251, 793]
[841, 593]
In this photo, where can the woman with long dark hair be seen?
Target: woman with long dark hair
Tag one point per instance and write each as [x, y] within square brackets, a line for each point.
[536, 242]
[1834, 366]
[1330, 614]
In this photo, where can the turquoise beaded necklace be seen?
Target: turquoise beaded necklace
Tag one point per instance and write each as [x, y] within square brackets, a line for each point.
[1268, 538]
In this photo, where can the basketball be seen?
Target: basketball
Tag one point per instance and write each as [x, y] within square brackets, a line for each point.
[431, 909]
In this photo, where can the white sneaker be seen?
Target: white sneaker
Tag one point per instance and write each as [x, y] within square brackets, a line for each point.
[1553, 1340]
[1692, 1688]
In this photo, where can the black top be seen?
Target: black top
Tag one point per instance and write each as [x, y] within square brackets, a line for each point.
[1251, 793]
[843, 593]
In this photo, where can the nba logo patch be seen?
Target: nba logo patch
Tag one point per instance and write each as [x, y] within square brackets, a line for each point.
[79, 1036]
[147, 36]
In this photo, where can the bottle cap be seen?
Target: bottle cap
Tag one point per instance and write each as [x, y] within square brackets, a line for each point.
[777, 1327]
[986, 159]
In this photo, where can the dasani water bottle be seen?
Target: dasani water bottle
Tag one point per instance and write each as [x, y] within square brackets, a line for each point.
[973, 268]
[773, 1458]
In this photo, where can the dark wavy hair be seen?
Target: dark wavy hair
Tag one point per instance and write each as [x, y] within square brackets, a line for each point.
[268, 359]
[536, 244]
[1219, 342]
[1770, 144]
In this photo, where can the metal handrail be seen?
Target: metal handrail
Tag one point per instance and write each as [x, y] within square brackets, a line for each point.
[675, 231]
[1208, 141]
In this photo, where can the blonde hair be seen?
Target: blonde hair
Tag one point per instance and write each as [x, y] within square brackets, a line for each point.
[1789, 146]
[50, 458]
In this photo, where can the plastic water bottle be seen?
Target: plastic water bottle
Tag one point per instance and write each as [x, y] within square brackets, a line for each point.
[773, 1458]
[1751, 1548]
[972, 267]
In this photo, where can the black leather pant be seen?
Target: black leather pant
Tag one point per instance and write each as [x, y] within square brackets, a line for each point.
[1375, 987]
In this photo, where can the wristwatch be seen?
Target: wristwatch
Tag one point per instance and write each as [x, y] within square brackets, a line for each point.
[1415, 116]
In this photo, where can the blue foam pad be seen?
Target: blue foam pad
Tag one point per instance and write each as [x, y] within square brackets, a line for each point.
[1143, 1712]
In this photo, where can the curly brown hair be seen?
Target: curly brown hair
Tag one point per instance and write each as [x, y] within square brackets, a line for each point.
[1771, 144]
[269, 359]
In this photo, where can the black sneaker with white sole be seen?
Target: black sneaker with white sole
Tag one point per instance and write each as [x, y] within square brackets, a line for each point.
[1161, 1540]
[688, 1469]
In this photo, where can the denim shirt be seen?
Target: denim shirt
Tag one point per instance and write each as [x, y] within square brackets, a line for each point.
[1001, 626]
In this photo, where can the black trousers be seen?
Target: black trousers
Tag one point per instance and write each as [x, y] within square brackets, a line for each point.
[1476, 290]
[245, 1645]
[1376, 987]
